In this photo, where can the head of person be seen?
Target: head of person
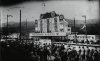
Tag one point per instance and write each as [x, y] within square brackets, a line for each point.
[73, 48]
[83, 47]
[87, 47]
[79, 47]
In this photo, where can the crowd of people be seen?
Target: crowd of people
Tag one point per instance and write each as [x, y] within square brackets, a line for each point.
[54, 52]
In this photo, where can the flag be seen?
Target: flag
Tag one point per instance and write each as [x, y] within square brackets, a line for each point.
[84, 27]
[10, 16]
[83, 16]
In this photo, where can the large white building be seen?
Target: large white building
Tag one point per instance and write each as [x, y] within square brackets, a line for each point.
[51, 24]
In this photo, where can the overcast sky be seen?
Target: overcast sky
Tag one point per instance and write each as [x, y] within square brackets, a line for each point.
[70, 9]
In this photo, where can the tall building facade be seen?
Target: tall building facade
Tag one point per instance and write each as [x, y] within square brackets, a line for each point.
[52, 22]
[51, 26]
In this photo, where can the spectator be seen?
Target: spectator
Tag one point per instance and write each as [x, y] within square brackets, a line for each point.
[99, 55]
[36, 52]
[57, 57]
[63, 56]
[74, 54]
[37, 57]
[69, 54]
[83, 54]
[91, 55]
[96, 55]
[87, 51]
[79, 54]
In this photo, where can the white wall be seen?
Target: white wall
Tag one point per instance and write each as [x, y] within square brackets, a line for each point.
[83, 37]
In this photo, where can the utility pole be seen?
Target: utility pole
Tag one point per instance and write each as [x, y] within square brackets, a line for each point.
[75, 31]
[20, 25]
[26, 30]
[0, 30]
[74, 25]
[0, 33]
[0, 25]
[7, 27]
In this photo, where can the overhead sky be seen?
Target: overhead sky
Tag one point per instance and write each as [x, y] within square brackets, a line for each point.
[70, 9]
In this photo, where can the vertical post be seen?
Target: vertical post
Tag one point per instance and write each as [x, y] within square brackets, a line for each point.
[0, 34]
[85, 28]
[26, 30]
[20, 25]
[0, 29]
[75, 30]
[7, 28]
[0, 26]
[74, 25]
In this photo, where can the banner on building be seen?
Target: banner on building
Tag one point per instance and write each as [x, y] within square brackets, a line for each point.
[49, 34]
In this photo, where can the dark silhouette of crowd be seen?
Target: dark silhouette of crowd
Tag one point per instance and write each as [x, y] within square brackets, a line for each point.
[54, 52]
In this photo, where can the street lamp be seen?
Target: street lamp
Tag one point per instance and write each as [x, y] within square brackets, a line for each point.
[20, 11]
[85, 26]
[7, 23]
